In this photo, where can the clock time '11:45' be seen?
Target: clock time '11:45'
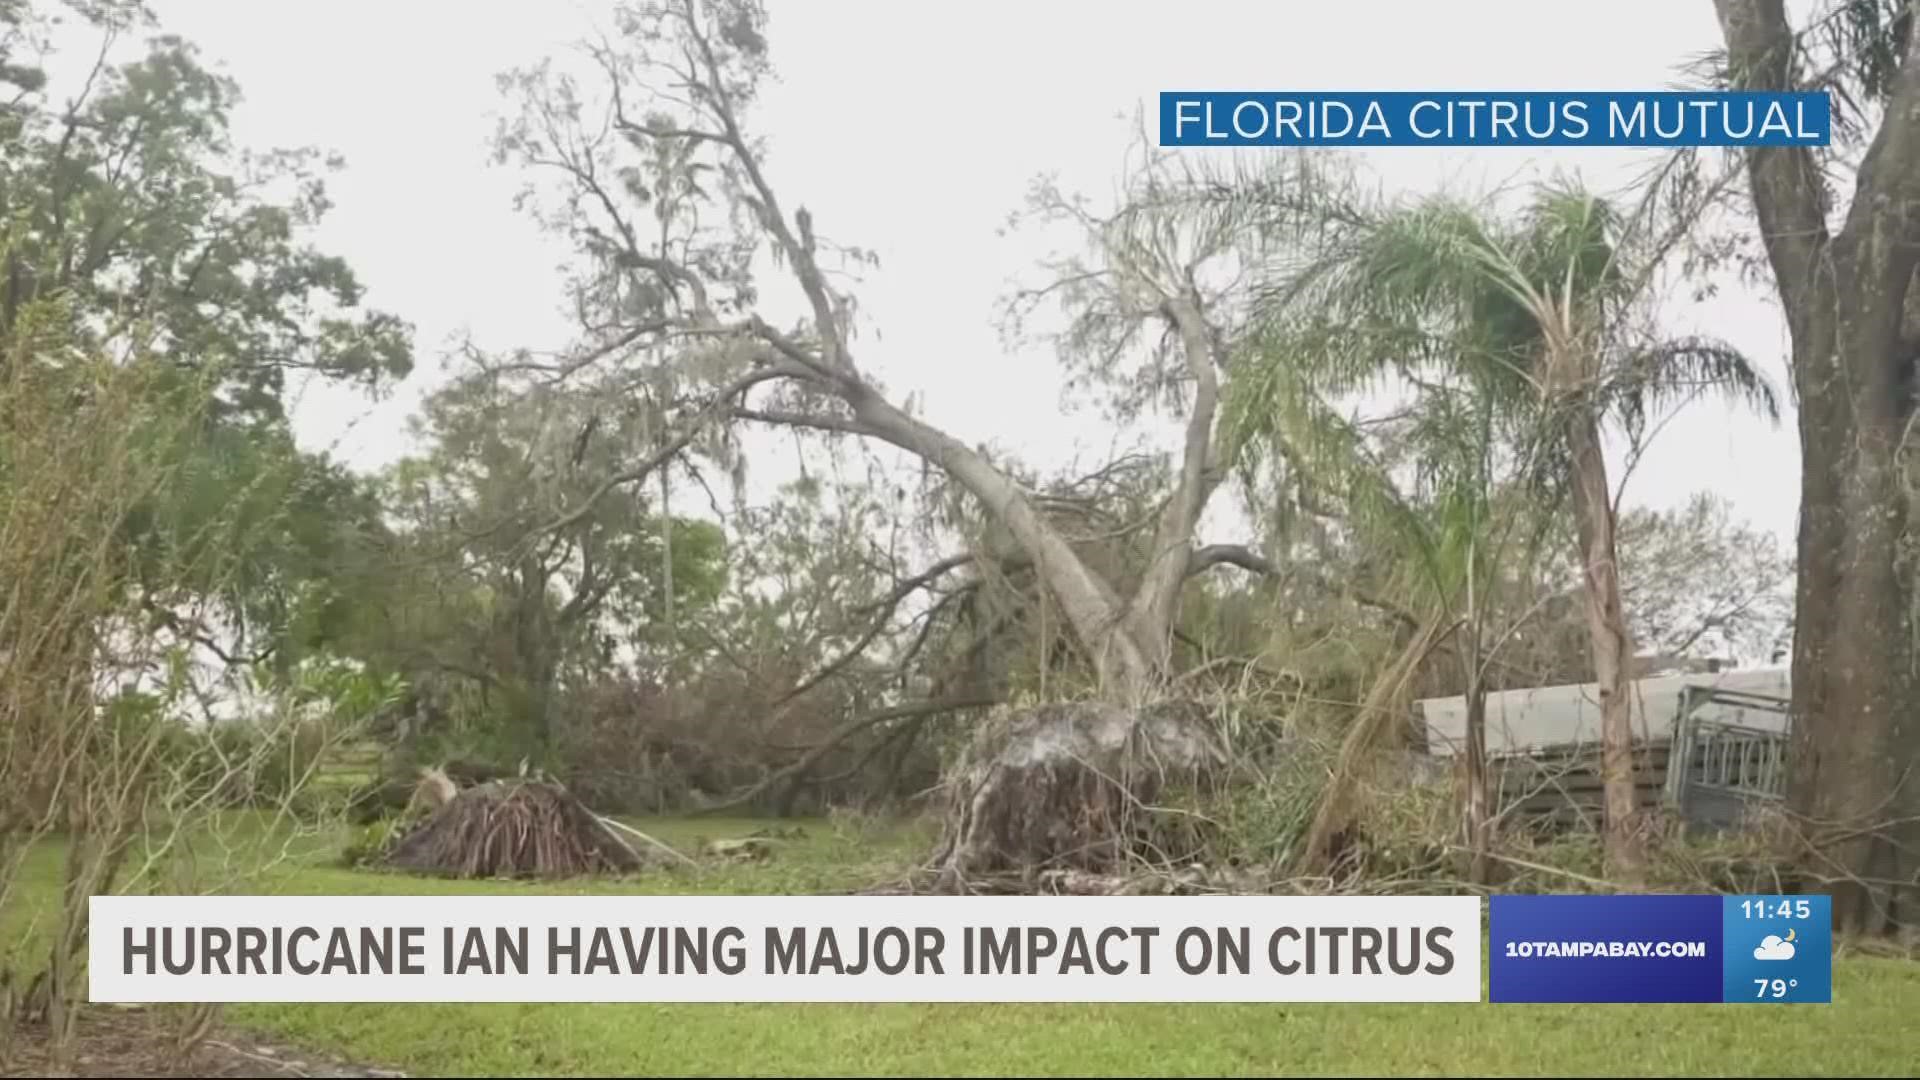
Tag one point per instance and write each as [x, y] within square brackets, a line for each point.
[1784, 909]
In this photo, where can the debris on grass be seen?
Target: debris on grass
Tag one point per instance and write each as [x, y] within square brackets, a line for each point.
[777, 832]
[739, 849]
[514, 829]
[143, 1041]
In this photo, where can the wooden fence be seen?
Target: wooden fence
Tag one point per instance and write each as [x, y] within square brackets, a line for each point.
[1559, 787]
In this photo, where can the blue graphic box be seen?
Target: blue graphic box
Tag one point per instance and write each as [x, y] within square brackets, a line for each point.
[1778, 948]
[1661, 949]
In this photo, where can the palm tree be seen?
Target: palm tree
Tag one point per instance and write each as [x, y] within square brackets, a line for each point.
[1445, 489]
[1544, 318]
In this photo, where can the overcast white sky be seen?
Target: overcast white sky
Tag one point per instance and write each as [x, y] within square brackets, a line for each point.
[913, 129]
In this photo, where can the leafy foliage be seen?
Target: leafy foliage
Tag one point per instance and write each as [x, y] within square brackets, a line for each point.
[1484, 330]
[133, 200]
[1699, 582]
[506, 578]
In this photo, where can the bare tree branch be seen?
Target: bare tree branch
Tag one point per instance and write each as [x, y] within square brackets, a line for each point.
[846, 731]
[689, 430]
[1239, 555]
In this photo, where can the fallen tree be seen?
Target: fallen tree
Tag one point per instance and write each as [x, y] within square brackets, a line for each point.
[513, 829]
[663, 191]
[669, 255]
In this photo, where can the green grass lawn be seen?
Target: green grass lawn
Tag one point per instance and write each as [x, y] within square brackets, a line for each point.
[1870, 1029]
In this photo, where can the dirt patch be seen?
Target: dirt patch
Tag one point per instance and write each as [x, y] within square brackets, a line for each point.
[137, 1041]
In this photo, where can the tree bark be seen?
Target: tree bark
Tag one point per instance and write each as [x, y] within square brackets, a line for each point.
[1612, 649]
[1156, 608]
[669, 698]
[1855, 737]
[1479, 795]
[1126, 665]
[535, 652]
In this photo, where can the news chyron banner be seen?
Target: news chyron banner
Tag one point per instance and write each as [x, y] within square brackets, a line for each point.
[1589, 949]
[785, 948]
[1495, 119]
[1724, 949]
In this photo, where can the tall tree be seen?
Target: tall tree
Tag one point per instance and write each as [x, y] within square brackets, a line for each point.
[1845, 277]
[128, 210]
[161, 282]
[131, 199]
[510, 604]
[1448, 487]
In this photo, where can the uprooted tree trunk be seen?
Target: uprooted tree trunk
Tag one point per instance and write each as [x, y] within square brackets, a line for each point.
[1082, 786]
[1129, 638]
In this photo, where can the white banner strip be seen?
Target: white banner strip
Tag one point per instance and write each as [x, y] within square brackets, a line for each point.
[784, 948]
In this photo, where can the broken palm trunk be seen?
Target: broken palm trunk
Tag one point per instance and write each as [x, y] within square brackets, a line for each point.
[399, 791]
[514, 829]
[1082, 786]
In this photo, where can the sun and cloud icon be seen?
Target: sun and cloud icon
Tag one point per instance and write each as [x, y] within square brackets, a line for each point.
[1775, 947]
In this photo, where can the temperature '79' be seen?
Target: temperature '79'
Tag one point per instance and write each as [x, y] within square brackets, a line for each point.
[1773, 987]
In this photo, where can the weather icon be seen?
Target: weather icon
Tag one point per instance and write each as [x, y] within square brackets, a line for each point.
[1775, 947]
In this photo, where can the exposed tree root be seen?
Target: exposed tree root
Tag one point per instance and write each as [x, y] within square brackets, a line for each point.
[1077, 787]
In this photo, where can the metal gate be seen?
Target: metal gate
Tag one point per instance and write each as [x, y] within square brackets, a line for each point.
[1730, 753]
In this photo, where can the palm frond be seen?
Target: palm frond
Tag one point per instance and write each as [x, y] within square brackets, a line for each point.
[1675, 371]
[1456, 310]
